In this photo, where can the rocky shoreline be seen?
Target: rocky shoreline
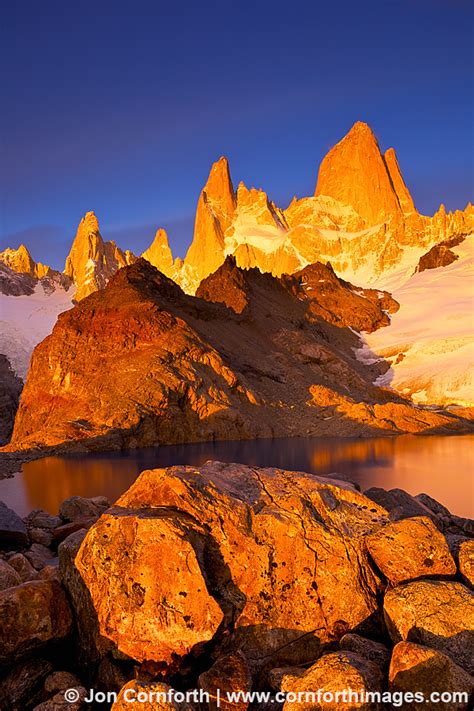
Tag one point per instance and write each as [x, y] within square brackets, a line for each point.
[232, 577]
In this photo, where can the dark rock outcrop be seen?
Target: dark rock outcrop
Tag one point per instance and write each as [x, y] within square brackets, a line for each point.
[440, 255]
[10, 390]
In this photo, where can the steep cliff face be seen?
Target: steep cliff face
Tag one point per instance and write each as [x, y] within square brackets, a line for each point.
[213, 217]
[354, 173]
[91, 261]
[141, 363]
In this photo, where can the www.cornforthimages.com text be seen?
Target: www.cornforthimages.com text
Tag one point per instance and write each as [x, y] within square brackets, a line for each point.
[220, 697]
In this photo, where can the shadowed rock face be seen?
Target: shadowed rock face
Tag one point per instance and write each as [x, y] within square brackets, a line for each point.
[10, 390]
[142, 363]
[251, 558]
[327, 297]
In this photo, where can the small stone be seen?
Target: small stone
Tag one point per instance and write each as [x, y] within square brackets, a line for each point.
[8, 576]
[23, 567]
[375, 651]
[410, 548]
[281, 678]
[58, 703]
[77, 507]
[13, 532]
[335, 672]
[417, 668]
[32, 615]
[50, 572]
[38, 518]
[59, 681]
[39, 555]
[62, 532]
[229, 673]
[41, 535]
[22, 686]
[466, 561]
[102, 502]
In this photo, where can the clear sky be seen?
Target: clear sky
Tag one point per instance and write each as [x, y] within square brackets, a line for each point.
[121, 107]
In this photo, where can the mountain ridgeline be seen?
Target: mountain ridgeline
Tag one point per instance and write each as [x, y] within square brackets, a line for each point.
[142, 363]
[256, 332]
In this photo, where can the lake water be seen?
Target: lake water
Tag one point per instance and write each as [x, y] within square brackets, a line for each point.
[440, 466]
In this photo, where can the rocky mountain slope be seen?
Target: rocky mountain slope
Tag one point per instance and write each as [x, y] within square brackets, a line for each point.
[141, 363]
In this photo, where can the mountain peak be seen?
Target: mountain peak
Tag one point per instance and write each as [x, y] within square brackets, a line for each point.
[354, 172]
[361, 129]
[20, 261]
[91, 261]
[159, 253]
[214, 214]
[219, 186]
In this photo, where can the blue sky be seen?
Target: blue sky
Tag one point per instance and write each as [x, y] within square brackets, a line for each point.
[121, 107]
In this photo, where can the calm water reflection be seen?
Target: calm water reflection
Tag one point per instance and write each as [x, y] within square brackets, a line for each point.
[440, 466]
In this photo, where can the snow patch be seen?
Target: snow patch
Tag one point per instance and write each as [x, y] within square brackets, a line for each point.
[27, 320]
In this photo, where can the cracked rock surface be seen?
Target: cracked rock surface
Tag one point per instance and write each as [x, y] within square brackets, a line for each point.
[232, 556]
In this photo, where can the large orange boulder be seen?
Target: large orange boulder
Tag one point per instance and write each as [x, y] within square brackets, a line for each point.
[410, 548]
[248, 558]
[435, 613]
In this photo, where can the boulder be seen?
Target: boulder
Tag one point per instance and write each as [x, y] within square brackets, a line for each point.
[90, 647]
[39, 555]
[50, 572]
[58, 703]
[23, 567]
[435, 506]
[13, 533]
[41, 535]
[38, 518]
[77, 507]
[228, 674]
[414, 667]
[400, 504]
[435, 613]
[374, 651]
[62, 532]
[466, 561]
[282, 678]
[336, 672]
[8, 576]
[260, 557]
[32, 616]
[158, 695]
[60, 681]
[22, 686]
[410, 548]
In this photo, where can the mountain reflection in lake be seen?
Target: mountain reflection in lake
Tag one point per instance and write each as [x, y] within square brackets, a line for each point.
[440, 466]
